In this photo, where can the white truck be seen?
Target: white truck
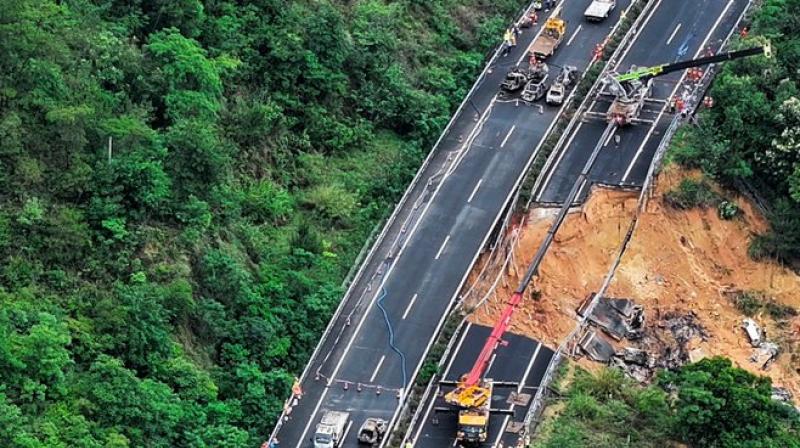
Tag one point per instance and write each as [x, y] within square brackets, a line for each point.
[599, 9]
[331, 429]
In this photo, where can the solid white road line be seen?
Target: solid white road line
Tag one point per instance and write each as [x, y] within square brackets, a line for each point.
[507, 136]
[675, 89]
[444, 375]
[441, 249]
[349, 425]
[491, 363]
[673, 33]
[519, 389]
[577, 30]
[543, 188]
[608, 139]
[474, 190]
[377, 368]
[410, 304]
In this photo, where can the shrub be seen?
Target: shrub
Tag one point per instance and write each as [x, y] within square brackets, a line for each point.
[728, 210]
[691, 193]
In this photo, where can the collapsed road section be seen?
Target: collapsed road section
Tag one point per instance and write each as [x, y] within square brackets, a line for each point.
[710, 22]
[375, 345]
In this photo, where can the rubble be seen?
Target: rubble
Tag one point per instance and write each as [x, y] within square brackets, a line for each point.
[596, 346]
[765, 354]
[781, 394]
[637, 356]
[680, 265]
[619, 318]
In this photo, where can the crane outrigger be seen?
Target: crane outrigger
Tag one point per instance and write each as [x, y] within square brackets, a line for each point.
[629, 91]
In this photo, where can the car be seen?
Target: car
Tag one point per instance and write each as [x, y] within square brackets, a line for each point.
[555, 96]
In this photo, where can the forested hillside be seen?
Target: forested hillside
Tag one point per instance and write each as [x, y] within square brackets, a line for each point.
[184, 185]
[751, 136]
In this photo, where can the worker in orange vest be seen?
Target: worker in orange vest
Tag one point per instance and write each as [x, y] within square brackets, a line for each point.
[744, 32]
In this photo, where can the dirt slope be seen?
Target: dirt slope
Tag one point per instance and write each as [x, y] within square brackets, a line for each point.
[677, 262]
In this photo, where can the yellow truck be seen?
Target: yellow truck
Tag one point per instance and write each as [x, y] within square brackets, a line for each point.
[549, 39]
[473, 421]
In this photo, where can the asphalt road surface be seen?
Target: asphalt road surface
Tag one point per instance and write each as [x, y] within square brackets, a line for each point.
[677, 30]
[706, 23]
[490, 145]
[525, 365]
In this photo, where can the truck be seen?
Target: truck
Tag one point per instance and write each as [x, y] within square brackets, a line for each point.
[473, 422]
[331, 428]
[599, 9]
[550, 38]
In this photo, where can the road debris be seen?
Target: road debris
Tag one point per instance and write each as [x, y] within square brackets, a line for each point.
[753, 332]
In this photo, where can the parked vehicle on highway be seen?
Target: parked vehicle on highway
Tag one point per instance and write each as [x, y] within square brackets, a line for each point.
[515, 80]
[372, 431]
[546, 43]
[555, 96]
[534, 89]
[330, 429]
[599, 9]
[558, 91]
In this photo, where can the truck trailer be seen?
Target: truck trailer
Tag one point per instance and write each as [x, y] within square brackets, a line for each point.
[599, 10]
[331, 429]
[546, 43]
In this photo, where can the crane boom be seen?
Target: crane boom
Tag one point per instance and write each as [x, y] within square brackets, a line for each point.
[645, 73]
[495, 338]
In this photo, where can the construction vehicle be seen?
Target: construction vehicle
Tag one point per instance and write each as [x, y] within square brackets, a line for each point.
[630, 91]
[331, 429]
[558, 91]
[599, 10]
[372, 431]
[549, 39]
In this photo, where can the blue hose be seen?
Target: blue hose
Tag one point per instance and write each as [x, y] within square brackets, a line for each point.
[391, 335]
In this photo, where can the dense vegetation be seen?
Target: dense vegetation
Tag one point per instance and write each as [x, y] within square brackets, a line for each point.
[184, 185]
[751, 136]
[707, 404]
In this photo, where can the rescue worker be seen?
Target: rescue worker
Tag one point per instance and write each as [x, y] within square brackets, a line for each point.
[507, 41]
[744, 32]
[534, 17]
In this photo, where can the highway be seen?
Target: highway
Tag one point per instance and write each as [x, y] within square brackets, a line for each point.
[412, 278]
[675, 31]
[683, 29]
[525, 365]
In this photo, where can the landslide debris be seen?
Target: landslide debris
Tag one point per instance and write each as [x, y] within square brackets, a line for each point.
[688, 268]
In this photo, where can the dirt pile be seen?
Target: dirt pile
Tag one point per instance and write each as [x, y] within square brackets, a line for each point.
[682, 261]
[575, 265]
[680, 264]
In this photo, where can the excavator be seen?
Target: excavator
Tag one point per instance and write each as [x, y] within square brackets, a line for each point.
[629, 91]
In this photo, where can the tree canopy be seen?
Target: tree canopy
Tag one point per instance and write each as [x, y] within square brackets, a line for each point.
[184, 185]
[752, 134]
